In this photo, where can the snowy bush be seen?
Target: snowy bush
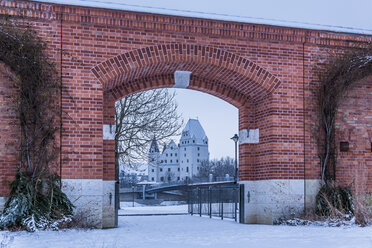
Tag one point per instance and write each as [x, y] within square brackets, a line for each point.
[334, 201]
[33, 206]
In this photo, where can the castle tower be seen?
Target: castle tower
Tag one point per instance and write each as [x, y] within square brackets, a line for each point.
[153, 158]
[193, 149]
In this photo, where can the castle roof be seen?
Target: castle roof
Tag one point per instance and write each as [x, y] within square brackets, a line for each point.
[194, 129]
[154, 145]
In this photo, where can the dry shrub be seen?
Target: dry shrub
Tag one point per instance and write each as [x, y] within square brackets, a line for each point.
[334, 201]
[83, 220]
[363, 212]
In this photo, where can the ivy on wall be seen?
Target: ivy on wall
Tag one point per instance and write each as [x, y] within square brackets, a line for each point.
[36, 200]
[339, 75]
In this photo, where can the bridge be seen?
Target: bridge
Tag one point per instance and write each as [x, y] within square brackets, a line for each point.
[267, 72]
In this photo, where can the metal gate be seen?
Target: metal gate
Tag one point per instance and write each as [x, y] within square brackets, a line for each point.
[214, 200]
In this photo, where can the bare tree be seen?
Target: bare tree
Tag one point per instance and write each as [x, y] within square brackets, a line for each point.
[206, 168]
[217, 167]
[141, 117]
[224, 166]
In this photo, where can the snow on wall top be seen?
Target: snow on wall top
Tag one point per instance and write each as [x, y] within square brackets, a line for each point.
[341, 16]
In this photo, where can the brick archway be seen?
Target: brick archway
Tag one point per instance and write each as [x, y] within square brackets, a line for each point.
[229, 75]
[266, 71]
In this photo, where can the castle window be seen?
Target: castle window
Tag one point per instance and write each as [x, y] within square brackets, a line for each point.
[175, 155]
[198, 154]
[187, 161]
[178, 178]
[161, 169]
[169, 169]
[193, 141]
[185, 148]
[198, 167]
[166, 154]
[198, 160]
[171, 160]
[171, 154]
[184, 155]
[162, 161]
[162, 179]
[198, 148]
[177, 161]
[152, 179]
[178, 170]
[166, 161]
[187, 169]
[152, 170]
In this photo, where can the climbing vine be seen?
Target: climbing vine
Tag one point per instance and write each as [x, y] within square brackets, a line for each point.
[35, 200]
[339, 75]
[335, 81]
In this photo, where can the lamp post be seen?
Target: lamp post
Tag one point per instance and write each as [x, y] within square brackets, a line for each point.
[235, 138]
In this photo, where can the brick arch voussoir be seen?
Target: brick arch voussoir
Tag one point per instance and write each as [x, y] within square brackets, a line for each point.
[115, 71]
[205, 85]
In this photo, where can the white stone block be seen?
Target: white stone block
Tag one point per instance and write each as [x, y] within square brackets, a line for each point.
[251, 137]
[296, 186]
[92, 187]
[87, 196]
[181, 79]
[2, 203]
[108, 210]
[108, 132]
[272, 199]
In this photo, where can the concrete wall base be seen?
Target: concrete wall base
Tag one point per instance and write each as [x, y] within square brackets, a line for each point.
[2, 203]
[94, 200]
[266, 201]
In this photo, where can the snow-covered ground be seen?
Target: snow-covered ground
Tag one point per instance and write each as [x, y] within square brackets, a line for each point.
[164, 208]
[185, 231]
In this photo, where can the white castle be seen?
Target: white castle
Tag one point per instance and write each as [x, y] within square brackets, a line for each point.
[179, 162]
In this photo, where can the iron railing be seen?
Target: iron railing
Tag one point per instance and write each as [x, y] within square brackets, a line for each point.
[215, 201]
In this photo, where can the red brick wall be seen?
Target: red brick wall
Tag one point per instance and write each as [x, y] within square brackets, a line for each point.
[268, 72]
[9, 129]
[354, 125]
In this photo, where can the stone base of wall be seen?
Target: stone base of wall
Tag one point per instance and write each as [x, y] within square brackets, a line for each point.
[2, 203]
[94, 200]
[108, 207]
[265, 201]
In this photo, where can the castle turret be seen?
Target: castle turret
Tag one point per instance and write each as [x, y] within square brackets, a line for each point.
[153, 158]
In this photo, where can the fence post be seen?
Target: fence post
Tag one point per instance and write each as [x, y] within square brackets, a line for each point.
[210, 201]
[221, 205]
[200, 203]
[191, 203]
[241, 204]
[235, 192]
